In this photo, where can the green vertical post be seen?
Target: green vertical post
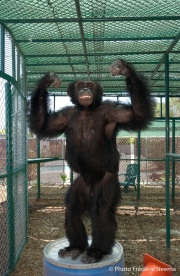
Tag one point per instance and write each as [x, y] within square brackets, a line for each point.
[139, 165]
[38, 171]
[9, 169]
[13, 60]
[173, 160]
[18, 67]
[54, 102]
[26, 181]
[2, 48]
[167, 151]
[161, 113]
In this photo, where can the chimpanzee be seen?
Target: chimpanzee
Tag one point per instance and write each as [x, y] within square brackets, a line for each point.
[90, 127]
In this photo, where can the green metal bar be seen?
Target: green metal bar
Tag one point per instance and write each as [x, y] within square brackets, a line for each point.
[9, 168]
[110, 93]
[100, 19]
[24, 80]
[161, 112]
[164, 57]
[170, 79]
[101, 54]
[2, 47]
[12, 81]
[173, 155]
[18, 67]
[92, 72]
[43, 160]
[143, 160]
[173, 161]
[139, 165]
[24, 126]
[97, 63]
[57, 64]
[92, 39]
[66, 81]
[3, 176]
[13, 60]
[54, 101]
[78, 10]
[38, 170]
[9, 79]
[168, 227]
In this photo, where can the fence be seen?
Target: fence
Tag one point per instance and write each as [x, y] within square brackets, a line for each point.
[13, 160]
[47, 170]
[149, 148]
[146, 148]
[152, 149]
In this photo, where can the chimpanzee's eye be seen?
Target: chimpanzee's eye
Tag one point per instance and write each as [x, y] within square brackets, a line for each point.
[89, 85]
[80, 85]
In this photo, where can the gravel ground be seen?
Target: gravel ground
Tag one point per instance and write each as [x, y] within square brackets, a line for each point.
[141, 229]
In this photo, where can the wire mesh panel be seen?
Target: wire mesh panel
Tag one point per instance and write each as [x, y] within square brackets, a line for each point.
[47, 177]
[16, 173]
[13, 161]
[3, 186]
[128, 149]
[19, 170]
[152, 150]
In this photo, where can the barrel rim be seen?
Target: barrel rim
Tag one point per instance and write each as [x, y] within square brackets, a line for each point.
[82, 266]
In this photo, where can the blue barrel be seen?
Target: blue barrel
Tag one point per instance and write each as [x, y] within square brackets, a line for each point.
[53, 265]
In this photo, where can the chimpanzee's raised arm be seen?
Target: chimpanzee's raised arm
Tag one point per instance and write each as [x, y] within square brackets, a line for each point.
[41, 121]
[140, 112]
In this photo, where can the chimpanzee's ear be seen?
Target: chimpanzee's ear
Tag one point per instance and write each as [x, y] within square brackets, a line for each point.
[70, 88]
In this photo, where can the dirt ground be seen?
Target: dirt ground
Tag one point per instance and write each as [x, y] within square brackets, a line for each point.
[141, 229]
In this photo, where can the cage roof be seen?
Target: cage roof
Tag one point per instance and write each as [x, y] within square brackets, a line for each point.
[80, 39]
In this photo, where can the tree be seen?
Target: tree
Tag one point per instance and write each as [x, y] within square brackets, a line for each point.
[174, 108]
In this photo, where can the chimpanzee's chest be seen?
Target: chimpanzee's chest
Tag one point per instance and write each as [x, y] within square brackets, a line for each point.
[85, 128]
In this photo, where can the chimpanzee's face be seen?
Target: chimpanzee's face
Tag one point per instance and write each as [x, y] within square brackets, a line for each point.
[85, 93]
[84, 90]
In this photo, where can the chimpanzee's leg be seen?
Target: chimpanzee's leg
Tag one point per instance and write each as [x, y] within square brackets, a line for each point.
[105, 199]
[77, 200]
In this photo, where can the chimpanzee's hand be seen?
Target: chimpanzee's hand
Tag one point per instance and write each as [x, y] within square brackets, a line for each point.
[56, 82]
[49, 79]
[121, 67]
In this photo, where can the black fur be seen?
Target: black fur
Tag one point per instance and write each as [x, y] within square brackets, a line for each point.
[91, 151]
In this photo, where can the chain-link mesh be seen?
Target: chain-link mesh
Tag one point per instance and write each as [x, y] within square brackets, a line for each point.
[77, 40]
[80, 39]
[4, 251]
[53, 175]
[13, 160]
[152, 150]
[19, 170]
[151, 147]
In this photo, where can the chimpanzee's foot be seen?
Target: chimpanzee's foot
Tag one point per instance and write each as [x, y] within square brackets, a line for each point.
[120, 67]
[70, 251]
[92, 256]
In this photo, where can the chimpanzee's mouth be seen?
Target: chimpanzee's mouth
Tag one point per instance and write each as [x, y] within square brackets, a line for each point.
[85, 98]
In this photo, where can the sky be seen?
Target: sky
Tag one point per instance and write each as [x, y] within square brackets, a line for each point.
[62, 101]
